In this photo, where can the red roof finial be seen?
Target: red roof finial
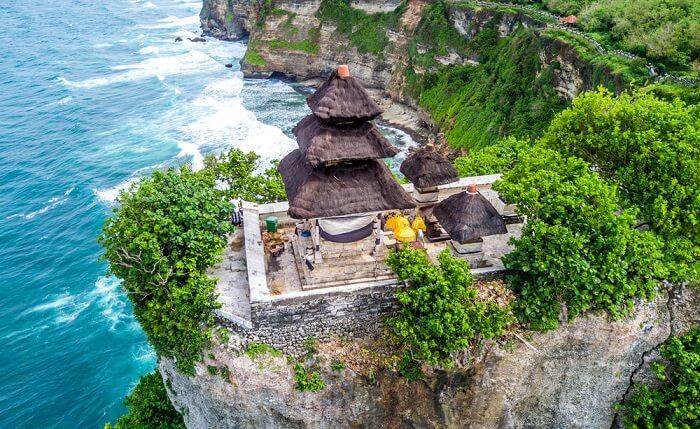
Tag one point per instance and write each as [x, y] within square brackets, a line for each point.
[343, 70]
[471, 189]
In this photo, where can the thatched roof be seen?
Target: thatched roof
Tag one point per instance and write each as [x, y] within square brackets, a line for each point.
[342, 99]
[339, 190]
[427, 167]
[322, 143]
[467, 216]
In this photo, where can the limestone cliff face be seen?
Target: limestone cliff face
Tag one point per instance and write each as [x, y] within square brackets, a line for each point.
[228, 19]
[289, 38]
[573, 380]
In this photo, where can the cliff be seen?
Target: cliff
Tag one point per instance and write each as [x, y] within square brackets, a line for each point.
[418, 53]
[573, 377]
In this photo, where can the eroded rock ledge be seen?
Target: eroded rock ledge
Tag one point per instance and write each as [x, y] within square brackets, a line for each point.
[578, 374]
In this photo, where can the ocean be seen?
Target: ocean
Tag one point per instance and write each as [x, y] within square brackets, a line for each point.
[93, 96]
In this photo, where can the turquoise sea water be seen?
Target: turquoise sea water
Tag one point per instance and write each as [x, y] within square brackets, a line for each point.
[94, 95]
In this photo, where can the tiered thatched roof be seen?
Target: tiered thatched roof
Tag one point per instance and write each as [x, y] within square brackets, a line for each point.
[467, 216]
[322, 143]
[343, 100]
[339, 190]
[427, 168]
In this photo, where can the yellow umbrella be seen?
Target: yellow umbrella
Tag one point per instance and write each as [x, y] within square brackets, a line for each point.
[400, 222]
[391, 223]
[418, 223]
[405, 233]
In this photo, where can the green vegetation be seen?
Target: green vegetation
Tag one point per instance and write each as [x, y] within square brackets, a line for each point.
[255, 351]
[367, 32]
[440, 312]
[676, 402]
[307, 380]
[310, 346]
[306, 46]
[632, 71]
[576, 248]
[337, 366]
[149, 407]
[237, 170]
[664, 31]
[167, 230]
[253, 58]
[507, 94]
[650, 149]
[497, 158]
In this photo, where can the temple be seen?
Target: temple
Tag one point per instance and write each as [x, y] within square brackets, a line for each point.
[319, 258]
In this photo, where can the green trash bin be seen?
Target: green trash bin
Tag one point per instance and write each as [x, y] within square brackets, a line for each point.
[271, 223]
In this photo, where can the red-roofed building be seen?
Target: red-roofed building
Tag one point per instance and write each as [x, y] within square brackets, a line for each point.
[571, 19]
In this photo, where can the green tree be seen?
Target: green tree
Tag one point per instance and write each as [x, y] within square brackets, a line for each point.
[493, 159]
[439, 311]
[650, 149]
[238, 171]
[676, 402]
[576, 248]
[167, 230]
[666, 31]
[149, 407]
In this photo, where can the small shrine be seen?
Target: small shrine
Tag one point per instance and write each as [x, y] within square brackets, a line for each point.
[467, 217]
[427, 168]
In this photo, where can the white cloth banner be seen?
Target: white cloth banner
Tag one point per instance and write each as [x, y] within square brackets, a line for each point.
[342, 225]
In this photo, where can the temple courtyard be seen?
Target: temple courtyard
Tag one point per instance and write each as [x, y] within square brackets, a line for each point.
[252, 272]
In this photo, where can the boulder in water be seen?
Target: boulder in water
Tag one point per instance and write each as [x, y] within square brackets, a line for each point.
[197, 39]
[228, 66]
[178, 39]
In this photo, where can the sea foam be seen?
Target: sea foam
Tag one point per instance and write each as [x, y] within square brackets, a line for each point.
[191, 62]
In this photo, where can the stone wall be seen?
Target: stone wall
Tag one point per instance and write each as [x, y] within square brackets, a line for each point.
[286, 323]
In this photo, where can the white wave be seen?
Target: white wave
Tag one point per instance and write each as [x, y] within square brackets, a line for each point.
[62, 102]
[149, 5]
[65, 308]
[174, 21]
[102, 45]
[107, 295]
[149, 50]
[144, 354]
[190, 62]
[229, 124]
[222, 88]
[109, 195]
[112, 301]
[190, 149]
[51, 204]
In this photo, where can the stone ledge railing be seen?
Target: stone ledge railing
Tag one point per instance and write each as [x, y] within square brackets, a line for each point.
[651, 68]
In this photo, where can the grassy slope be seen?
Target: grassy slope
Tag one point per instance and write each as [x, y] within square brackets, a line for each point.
[507, 94]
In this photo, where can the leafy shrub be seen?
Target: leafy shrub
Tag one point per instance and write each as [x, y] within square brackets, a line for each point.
[651, 150]
[257, 350]
[576, 248]
[310, 346]
[493, 159]
[676, 403]
[237, 170]
[439, 311]
[167, 230]
[149, 407]
[307, 380]
[337, 366]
